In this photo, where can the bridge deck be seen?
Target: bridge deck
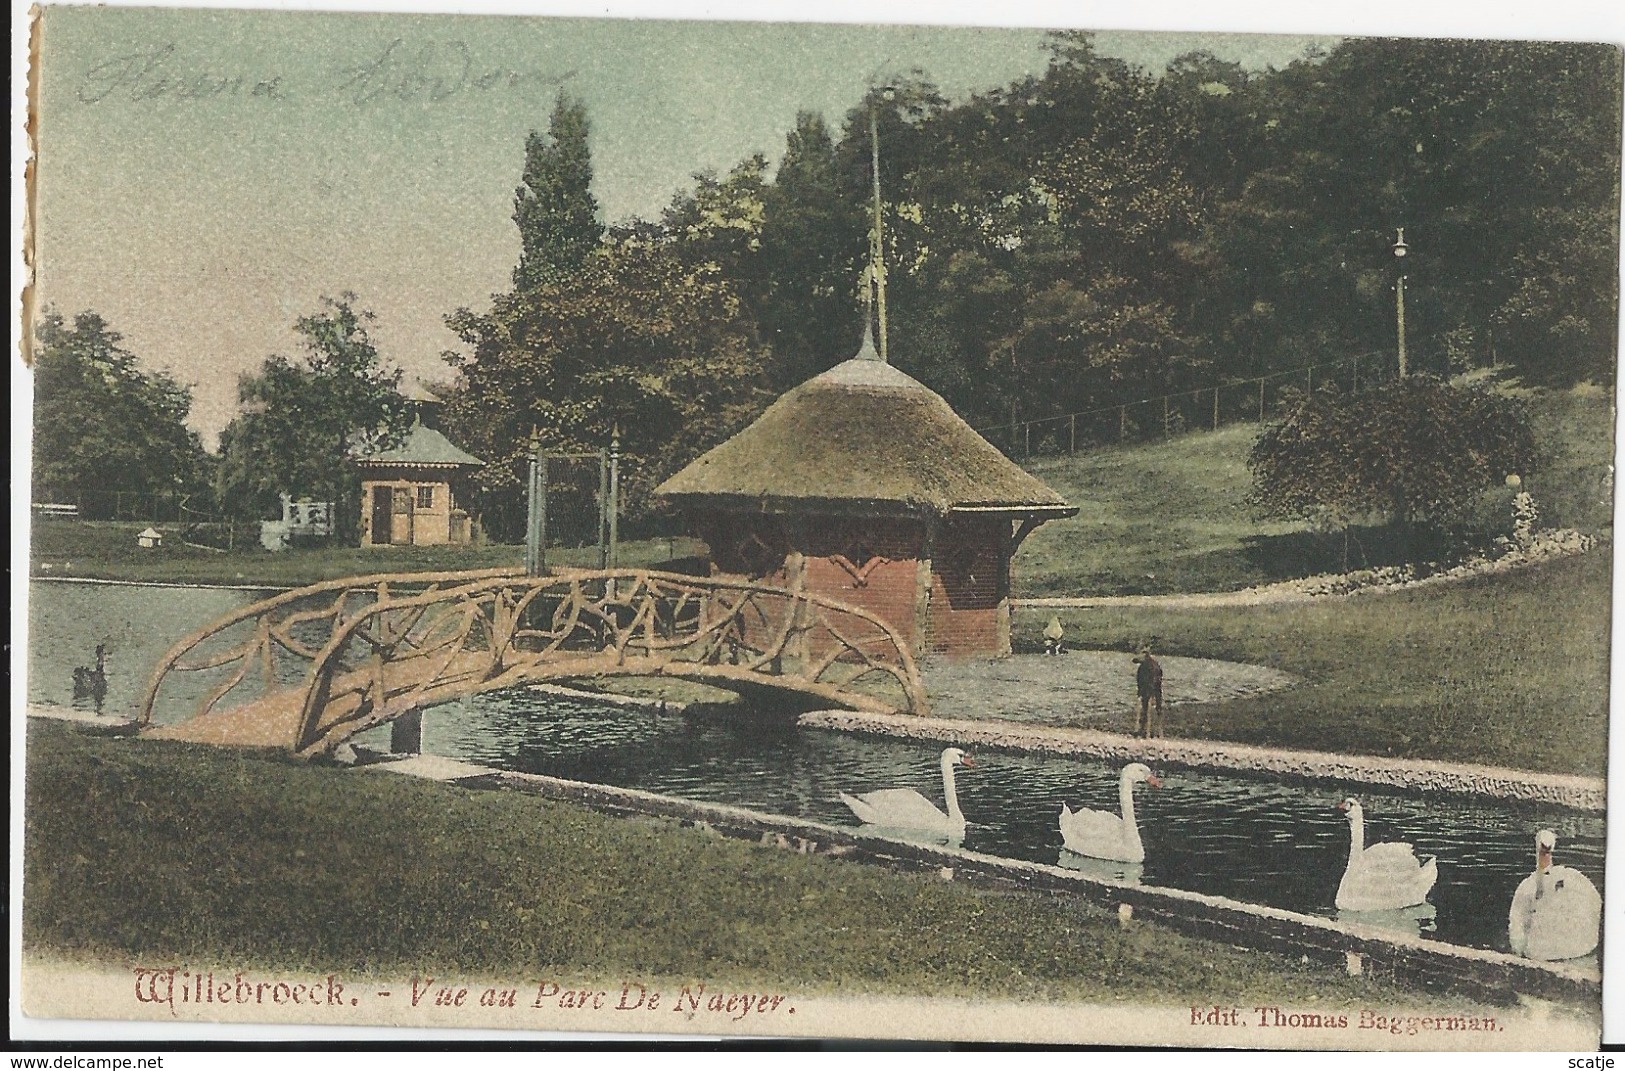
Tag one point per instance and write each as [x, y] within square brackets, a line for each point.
[368, 653]
[273, 720]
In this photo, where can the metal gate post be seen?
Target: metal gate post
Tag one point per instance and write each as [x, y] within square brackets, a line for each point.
[603, 508]
[533, 511]
[614, 506]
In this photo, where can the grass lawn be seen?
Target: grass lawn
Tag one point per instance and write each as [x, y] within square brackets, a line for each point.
[1163, 517]
[155, 850]
[1575, 430]
[1154, 518]
[1510, 670]
[1171, 516]
[107, 550]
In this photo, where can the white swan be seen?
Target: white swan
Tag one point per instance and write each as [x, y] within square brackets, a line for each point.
[906, 809]
[1556, 910]
[1106, 836]
[1383, 877]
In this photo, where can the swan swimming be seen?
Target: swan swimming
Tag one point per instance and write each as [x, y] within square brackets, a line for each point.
[1383, 877]
[906, 809]
[1556, 910]
[1106, 836]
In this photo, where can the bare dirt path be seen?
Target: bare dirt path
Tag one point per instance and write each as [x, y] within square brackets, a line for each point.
[1083, 688]
[1547, 546]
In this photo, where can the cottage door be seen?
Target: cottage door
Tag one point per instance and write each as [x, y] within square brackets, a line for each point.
[382, 511]
[401, 524]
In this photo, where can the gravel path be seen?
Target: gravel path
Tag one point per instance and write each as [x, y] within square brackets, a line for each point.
[1082, 688]
[1412, 775]
[1549, 545]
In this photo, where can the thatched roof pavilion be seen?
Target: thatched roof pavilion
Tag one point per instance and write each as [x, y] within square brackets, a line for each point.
[862, 437]
[862, 481]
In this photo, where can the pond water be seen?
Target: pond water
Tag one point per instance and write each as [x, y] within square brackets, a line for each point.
[136, 623]
[1255, 840]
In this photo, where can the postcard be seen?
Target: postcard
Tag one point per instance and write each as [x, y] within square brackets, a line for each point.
[868, 531]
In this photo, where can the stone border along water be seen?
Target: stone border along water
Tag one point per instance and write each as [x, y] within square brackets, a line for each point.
[1495, 976]
[1412, 775]
[1573, 791]
[1480, 974]
[245, 586]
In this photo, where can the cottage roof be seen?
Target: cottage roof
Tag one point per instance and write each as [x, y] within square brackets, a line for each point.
[423, 446]
[867, 434]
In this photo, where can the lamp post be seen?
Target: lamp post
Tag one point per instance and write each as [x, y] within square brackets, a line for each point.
[1400, 249]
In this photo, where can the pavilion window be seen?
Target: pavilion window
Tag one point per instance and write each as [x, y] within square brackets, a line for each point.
[426, 496]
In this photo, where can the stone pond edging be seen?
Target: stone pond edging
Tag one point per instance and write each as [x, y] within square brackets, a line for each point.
[1485, 974]
[1414, 775]
[1482, 973]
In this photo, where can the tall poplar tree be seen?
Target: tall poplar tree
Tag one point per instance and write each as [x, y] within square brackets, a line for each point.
[555, 210]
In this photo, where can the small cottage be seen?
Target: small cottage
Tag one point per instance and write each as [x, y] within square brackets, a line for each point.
[865, 486]
[410, 495]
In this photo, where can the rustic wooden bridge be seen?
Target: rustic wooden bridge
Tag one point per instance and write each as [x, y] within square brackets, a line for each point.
[308, 669]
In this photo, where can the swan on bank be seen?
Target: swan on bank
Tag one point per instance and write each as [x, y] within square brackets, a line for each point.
[904, 809]
[1383, 877]
[1556, 910]
[1100, 835]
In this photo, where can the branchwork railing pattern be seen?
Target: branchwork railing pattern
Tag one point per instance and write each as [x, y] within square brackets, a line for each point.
[330, 661]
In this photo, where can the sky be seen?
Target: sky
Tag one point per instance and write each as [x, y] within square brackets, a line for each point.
[207, 176]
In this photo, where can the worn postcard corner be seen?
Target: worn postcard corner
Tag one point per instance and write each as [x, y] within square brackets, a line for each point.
[797, 530]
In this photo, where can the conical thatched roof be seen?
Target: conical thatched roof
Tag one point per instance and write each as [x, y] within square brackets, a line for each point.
[861, 436]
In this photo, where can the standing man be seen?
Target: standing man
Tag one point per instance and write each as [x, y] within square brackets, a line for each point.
[1148, 678]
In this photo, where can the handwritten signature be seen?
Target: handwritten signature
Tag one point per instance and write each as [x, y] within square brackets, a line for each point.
[151, 75]
[431, 72]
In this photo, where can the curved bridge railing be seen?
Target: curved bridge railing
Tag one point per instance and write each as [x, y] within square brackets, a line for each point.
[311, 668]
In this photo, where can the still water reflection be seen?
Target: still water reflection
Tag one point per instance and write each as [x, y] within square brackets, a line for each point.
[1254, 840]
[1260, 841]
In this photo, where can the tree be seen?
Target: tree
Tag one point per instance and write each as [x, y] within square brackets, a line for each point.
[555, 210]
[301, 421]
[1415, 450]
[1500, 160]
[100, 421]
[637, 338]
[812, 253]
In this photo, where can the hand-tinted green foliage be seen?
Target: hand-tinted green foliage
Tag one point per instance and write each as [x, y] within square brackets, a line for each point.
[1243, 218]
[555, 210]
[812, 249]
[1100, 234]
[102, 423]
[1417, 449]
[635, 338]
[1500, 160]
[301, 420]
[1509, 670]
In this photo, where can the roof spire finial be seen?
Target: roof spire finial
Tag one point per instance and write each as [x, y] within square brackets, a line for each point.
[877, 247]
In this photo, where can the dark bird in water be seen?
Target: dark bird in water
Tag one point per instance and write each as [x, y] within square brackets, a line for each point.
[92, 683]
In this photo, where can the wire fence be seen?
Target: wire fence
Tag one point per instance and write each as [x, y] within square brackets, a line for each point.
[1252, 400]
[98, 504]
